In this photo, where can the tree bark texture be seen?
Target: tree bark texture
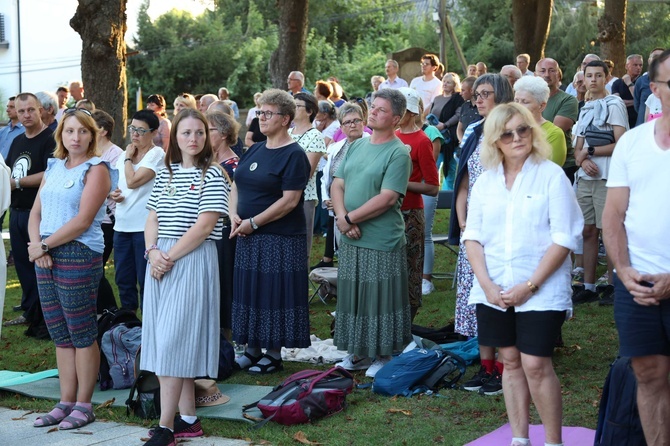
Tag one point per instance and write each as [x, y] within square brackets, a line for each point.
[290, 54]
[612, 34]
[531, 19]
[102, 27]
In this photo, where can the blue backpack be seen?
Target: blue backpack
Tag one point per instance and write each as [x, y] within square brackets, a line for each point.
[417, 371]
[618, 417]
[120, 346]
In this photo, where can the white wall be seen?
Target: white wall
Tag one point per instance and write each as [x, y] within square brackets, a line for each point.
[50, 48]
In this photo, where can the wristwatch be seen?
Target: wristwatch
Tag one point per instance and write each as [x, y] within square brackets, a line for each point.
[254, 226]
[591, 151]
[631, 85]
[45, 247]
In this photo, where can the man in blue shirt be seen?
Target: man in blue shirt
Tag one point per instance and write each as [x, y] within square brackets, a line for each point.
[642, 89]
[14, 128]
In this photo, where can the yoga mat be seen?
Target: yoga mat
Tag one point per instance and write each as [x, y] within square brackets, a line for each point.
[239, 394]
[573, 436]
[9, 378]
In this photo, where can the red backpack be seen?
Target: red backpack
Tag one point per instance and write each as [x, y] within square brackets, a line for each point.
[306, 396]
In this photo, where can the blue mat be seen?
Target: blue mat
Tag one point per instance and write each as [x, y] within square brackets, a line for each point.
[239, 394]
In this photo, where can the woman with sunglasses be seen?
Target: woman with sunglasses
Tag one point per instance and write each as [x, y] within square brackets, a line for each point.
[490, 90]
[524, 202]
[66, 244]
[270, 308]
[137, 171]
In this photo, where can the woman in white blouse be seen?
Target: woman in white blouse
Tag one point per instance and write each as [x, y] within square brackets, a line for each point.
[522, 223]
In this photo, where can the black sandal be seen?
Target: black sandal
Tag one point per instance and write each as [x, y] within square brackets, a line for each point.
[253, 359]
[275, 365]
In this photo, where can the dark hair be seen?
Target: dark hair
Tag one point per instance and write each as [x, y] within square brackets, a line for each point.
[362, 103]
[25, 96]
[105, 121]
[11, 98]
[311, 104]
[324, 89]
[85, 103]
[597, 63]
[653, 66]
[65, 89]
[156, 99]
[205, 159]
[148, 117]
[502, 90]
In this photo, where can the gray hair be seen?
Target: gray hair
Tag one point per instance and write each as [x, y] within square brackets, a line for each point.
[393, 62]
[515, 70]
[48, 99]
[327, 107]
[347, 108]
[396, 98]
[535, 86]
[502, 90]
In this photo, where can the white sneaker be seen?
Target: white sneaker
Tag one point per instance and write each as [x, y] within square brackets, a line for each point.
[376, 366]
[352, 362]
[427, 287]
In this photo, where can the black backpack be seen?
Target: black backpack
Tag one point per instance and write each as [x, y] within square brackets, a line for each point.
[111, 318]
[443, 335]
[147, 403]
[618, 418]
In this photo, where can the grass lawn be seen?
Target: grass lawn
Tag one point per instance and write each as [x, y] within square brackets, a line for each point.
[455, 418]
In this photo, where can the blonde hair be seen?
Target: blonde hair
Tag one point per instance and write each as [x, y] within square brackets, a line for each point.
[457, 81]
[494, 126]
[85, 119]
[187, 99]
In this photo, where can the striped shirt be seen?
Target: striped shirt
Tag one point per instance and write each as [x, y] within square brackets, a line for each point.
[179, 201]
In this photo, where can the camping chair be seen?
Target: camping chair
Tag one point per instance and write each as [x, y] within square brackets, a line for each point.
[444, 202]
[324, 280]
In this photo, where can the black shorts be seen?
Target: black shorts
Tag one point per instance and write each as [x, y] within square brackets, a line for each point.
[531, 332]
[643, 331]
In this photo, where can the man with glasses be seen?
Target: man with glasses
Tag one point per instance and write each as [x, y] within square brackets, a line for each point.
[27, 158]
[392, 79]
[562, 108]
[296, 83]
[636, 227]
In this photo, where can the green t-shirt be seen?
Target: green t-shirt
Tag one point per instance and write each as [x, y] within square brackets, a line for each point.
[566, 105]
[367, 169]
[556, 139]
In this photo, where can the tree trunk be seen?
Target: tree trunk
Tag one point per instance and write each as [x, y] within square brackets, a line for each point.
[290, 54]
[102, 26]
[531, 19]
[612, 34]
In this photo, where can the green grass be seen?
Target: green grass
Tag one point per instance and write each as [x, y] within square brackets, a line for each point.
[453, 419]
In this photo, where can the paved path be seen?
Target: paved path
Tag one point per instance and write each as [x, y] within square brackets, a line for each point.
[17, 430]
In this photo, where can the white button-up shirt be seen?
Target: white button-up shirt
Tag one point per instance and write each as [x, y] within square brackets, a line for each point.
[516, 228]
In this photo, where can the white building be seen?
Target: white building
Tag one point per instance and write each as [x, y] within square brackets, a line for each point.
[38, 48]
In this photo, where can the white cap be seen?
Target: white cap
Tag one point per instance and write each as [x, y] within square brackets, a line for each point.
[412, 98]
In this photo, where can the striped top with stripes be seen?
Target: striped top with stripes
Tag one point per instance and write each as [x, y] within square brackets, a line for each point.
[179, 201]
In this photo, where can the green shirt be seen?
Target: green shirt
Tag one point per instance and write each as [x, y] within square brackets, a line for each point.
[556, 139]
[566, 105]
[367, 169]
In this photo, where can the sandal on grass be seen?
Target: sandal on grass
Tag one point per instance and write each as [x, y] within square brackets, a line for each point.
[50, 420]
[76, 423]
[275, 365]
[252, 359]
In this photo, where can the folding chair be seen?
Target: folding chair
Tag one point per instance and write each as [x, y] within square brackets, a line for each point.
[324, 280]
[444, 202]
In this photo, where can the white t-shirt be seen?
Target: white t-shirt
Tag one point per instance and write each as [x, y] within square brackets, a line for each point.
[516, 228]
[655, 107]
[639, 164]
[608, 86]
[617, 115]
[427, 90]
[131, 213]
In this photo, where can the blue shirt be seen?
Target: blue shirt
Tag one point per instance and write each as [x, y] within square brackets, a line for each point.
[7, 135]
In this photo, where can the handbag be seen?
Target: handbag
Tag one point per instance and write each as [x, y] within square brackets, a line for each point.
[596, 137]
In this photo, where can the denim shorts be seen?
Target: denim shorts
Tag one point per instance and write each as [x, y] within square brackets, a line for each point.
[643, 331]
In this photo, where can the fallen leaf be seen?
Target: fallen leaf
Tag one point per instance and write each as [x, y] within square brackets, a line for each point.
[53, 429]
[106, 404]
[263, 442]
[302, 438]
[249, 417]
[402, 411]
[82, 432]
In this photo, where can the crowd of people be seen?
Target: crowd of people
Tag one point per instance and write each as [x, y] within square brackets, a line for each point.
[211, 234]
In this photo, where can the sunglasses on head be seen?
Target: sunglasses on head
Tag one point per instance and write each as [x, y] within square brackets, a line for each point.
[70, 111]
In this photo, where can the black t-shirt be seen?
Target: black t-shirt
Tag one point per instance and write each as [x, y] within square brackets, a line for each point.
[28, 156]
[255, 128]
[624, 92]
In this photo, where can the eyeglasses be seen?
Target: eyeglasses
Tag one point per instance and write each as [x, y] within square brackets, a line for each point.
[425, 64]
[523, 131]
[352, 122]
[69, 111]
[267, 114]
[484, 94]
[300, 106]
[292, 79]
[138, 130]
[663, 82]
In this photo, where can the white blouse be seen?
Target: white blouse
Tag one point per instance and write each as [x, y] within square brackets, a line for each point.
[516, 228]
